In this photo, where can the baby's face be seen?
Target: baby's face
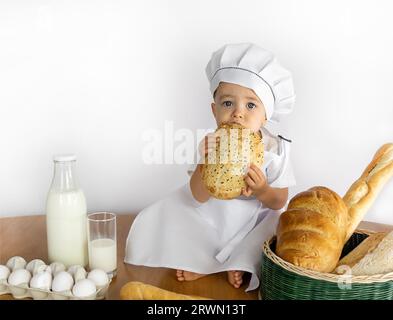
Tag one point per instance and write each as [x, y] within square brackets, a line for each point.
[237, 104]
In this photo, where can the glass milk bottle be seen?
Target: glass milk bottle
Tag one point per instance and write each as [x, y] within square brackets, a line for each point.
[66, 215]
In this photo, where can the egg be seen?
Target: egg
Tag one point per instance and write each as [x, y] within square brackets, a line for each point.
[34, 264]
[19, 276]
[99, 277]
[84, 288]
[41, 280]
[4, 273]
[80, 274]
[42, 268]
[62, 282]
[57, 267]
[16, 263]
[71, 270]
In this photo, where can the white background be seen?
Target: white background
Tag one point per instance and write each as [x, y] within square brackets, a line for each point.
[89, 77]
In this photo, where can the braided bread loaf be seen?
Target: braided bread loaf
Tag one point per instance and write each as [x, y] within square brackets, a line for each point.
[224, 170]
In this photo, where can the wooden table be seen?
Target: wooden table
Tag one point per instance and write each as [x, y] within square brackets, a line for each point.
[26, 237]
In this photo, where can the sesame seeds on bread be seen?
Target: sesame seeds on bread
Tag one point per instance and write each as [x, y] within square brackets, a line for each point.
[225, 168]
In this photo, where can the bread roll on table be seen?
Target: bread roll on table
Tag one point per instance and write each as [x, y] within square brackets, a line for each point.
[135, 290]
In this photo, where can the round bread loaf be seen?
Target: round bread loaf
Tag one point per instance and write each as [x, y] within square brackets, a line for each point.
[224, 169]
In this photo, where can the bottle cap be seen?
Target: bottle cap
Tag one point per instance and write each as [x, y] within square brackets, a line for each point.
[64, 157]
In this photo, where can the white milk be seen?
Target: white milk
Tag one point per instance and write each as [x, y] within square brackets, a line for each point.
[66, 227]
[103, 254]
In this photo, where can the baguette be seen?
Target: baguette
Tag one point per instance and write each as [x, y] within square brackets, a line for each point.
[367, 246]
[373, 256]
[363, 192]
[135, 290]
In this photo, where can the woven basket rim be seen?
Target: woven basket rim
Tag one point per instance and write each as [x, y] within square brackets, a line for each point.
[331, 277]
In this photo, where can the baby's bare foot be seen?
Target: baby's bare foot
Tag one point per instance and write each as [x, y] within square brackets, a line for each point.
[183, 275]
[235, 278]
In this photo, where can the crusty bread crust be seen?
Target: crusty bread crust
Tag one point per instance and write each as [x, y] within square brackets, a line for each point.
[317, 224]
[363, 192]
[135, 290]
[367, 246]
[224, 170]
[311, 232]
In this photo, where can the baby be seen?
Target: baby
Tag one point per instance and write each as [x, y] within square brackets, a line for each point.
[197, 234]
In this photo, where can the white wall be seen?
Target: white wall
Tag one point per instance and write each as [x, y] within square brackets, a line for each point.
[90, 76]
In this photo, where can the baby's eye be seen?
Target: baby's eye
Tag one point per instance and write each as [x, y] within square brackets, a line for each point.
[227, 103]
[251, 105]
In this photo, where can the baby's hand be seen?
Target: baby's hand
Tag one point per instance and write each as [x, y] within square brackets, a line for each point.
[255, 181]
[207, 144]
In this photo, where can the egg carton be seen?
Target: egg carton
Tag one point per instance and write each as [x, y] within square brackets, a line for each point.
[25, 288]
[24, 291]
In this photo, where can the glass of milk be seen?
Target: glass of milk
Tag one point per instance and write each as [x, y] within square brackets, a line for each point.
[101, 234]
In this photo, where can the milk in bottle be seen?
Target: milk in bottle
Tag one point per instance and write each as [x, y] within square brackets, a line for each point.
[66, 215]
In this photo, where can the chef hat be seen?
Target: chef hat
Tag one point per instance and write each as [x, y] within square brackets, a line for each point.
[250, 66]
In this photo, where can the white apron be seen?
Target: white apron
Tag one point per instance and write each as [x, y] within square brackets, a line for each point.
[179, 232]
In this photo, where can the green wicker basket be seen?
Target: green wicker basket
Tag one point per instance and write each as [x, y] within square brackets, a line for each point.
[281, 280]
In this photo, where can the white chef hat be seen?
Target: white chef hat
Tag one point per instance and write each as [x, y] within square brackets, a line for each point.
[250, 66]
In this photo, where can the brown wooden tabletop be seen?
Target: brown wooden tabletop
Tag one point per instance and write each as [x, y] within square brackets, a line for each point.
[26, 237]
